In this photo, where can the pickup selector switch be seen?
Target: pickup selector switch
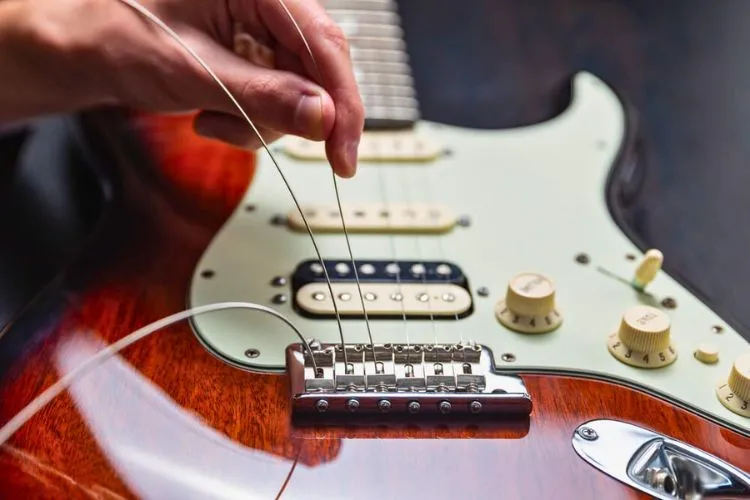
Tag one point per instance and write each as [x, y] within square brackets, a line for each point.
[643, 339]
[529, 304]
[734, 392]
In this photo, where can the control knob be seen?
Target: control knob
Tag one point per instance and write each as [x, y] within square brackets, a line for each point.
[734, 392]
[529, 304]
[643, 339]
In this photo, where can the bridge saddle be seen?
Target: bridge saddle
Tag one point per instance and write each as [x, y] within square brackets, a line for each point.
[410, 379]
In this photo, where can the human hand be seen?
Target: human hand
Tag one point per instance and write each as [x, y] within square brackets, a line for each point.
[134, 63]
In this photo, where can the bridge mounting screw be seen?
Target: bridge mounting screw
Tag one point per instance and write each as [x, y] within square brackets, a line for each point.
[414, 407]
[352, 405]
[475, 407]
[588, 434]
[384, 405]
[444, 407]
[321, 405]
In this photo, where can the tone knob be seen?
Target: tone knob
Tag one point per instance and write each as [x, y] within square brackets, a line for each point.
[529, 304]
[734, 392]
[643, 339]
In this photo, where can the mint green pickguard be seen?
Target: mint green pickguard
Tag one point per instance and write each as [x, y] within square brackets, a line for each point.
[535, 197]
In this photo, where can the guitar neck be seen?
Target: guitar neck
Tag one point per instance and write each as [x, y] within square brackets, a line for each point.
[380, 60]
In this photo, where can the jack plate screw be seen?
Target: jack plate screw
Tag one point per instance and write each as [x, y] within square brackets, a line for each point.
[588, 434]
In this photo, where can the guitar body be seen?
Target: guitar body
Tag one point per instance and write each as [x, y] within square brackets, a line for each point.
[202, 409]
[166, 418]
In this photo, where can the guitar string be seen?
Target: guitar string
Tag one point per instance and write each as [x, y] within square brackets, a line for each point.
[158, 22]
[420, 260]
[427, 183]
[335, 187]
[392, 244]
[394, 254]
[23, 416]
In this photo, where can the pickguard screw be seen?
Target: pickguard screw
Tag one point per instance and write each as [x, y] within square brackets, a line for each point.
[414, 407]
[717, 328]
[278, 281]
[583, 258]
[321, 405]
[352, 405]
[448, 152]
[384, 405]
[588, 434]
[475, 407]
[508, 356]
[278, 220]
[250, 208]
[444, 407]
[252, 353]
[464, 221]
[669, 303]
[483, 291]
[208, 273]
[630, 256]
[279, 298]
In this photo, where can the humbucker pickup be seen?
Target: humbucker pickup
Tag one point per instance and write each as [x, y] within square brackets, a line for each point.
[375, 218]
[380, 146]
[390, 290]
[420, 380]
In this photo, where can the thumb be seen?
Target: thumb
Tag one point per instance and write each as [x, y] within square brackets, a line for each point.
[278, 100]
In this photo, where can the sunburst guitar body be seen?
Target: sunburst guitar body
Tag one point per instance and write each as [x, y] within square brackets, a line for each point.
[502, 336]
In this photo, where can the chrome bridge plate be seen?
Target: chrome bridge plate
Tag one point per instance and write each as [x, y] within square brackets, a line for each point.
[418, 380]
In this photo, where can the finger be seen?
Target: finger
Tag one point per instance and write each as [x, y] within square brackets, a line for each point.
[279, 100]
[331, 57]
[232, 130]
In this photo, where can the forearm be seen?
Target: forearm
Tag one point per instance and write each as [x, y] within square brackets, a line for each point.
[39, 73]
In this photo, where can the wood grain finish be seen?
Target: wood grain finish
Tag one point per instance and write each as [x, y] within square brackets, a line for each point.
[233, 419]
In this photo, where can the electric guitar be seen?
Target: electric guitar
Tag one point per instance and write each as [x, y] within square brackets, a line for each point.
[513, 342]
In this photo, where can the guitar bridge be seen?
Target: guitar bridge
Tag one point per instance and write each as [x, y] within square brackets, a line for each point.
[417, 380]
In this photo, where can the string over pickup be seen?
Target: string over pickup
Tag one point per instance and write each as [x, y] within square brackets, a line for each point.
[376, 218]
[376, 146]
[414, 380]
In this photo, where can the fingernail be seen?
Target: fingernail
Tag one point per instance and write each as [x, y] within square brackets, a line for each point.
[309, 116]
[351, 152]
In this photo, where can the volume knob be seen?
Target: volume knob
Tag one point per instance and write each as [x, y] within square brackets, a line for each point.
[734, 393]
[529, 304]
[643, 339]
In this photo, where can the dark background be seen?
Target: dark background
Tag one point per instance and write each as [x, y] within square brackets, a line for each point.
[682, 65]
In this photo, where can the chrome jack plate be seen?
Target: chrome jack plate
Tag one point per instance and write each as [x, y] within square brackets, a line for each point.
[655, 464]
[414, 380]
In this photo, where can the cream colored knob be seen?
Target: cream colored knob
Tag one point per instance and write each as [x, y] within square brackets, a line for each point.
[643, 339]
[734, 393]
[529, 304]
[648, 268]
[707, 353]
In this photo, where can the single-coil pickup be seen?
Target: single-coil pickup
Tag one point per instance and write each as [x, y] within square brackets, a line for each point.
[373, 147]
[375, 218]
[386, 299]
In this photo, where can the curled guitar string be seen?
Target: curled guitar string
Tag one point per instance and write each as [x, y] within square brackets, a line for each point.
[158, 22]
[15, 423]
[335, 181]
